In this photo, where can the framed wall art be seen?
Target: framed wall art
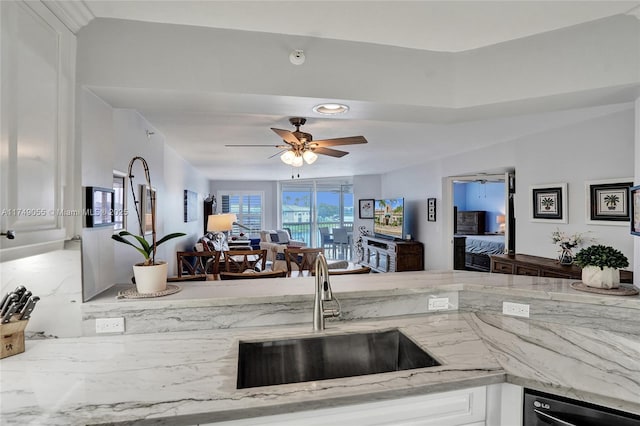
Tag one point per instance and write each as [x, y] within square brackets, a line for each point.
[366, 208]
[634, 195]
[190, 206]
[99, 203]
[549, 203]
[607, 201]
[431, 209]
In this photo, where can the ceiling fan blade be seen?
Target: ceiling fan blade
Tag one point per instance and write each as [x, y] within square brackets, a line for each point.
[287, 136]
[350, 140]
[277, 153]
[254, 145]
[330, 152]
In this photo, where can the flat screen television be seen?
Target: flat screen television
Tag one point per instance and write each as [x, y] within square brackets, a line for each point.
[388, 218]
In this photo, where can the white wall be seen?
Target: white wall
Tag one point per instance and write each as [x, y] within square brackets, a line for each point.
[579, 151]
[109, 139]
[364, 187]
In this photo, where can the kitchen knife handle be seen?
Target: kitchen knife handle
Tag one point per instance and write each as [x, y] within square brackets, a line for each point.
[25, 314]
[5, 307]
[7, 316]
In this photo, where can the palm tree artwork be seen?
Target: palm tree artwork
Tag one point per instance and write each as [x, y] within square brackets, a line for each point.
[611, 201]
[547, 202]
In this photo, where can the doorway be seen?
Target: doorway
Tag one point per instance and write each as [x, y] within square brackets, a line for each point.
[482, 221]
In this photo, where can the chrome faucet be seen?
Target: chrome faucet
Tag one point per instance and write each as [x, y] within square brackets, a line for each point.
[323, 294]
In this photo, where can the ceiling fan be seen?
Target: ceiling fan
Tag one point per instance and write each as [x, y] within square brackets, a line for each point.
[301, 146]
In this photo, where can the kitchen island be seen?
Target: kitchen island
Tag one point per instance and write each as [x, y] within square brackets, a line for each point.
[189, 377]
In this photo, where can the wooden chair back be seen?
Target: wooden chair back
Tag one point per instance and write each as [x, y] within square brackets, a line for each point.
[304, 259]
[241, 260]
[193, 264]
[251, 276]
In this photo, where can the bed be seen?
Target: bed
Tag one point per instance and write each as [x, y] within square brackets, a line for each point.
[479, 248]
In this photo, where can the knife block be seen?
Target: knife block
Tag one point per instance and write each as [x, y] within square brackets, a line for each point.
[12, 338]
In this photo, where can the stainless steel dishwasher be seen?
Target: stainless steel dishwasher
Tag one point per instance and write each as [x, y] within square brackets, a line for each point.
[543, 409]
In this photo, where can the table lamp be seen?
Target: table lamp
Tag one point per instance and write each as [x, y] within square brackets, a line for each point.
[500, 221]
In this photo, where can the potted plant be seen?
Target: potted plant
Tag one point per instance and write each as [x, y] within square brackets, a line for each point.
[601, 266]
[150, 275]
[148, 279]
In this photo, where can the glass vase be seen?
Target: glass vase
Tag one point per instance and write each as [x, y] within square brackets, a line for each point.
[565, 257]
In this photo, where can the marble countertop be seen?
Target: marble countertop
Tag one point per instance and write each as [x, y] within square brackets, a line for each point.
[212, 293]
[189, 377]
[128, 378]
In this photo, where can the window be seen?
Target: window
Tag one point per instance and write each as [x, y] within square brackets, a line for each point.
[120, 197]
[248, 207]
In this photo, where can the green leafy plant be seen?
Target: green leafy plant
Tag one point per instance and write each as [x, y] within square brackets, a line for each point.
[143, 246]
[601, 256]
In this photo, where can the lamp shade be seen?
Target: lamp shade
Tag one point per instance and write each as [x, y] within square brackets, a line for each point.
[500, 218]
[309, 156]
[220, 222]
[297, 161]
[287, 157]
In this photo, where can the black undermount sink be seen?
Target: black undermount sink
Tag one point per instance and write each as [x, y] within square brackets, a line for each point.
[275, 362]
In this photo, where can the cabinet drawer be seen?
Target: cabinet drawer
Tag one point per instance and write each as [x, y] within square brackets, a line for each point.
[554, 274]
[502, 268]
[527, 270]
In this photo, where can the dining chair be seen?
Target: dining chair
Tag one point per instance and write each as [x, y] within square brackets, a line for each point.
[243, 260]
[193, 265]
[326, 240]
[341, 239]
[301, 260]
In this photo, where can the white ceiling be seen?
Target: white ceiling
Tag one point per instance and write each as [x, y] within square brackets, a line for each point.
[189, 120]
[447, 26]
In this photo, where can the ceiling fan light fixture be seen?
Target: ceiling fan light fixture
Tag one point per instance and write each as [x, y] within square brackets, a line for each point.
[331, 109]
[297, 161]
[309, 156]
[287, 157]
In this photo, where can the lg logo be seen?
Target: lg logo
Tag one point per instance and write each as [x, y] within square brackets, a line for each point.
[539, 404]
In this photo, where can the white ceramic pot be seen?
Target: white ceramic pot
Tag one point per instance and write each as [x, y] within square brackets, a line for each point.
[152, 278]
[593, 276]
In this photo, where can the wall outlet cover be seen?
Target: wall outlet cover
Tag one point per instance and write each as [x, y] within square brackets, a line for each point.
[438, 303]
[109, 325]
[515, 309]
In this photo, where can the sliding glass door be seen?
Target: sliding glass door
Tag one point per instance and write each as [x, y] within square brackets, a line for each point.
[310, 205]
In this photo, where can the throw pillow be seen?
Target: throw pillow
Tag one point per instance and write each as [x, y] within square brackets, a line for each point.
[283, 237]
[274, 237]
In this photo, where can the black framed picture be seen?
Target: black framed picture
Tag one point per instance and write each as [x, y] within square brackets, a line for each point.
[431, 209]
[634, 195]
[549, 203]
[99, 206]
[608, 201]
[366, 208]
[190, 206]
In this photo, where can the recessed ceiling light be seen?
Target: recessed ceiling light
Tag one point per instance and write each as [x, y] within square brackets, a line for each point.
[330, 109]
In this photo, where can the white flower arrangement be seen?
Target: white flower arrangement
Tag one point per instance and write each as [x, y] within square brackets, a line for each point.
[567, 242]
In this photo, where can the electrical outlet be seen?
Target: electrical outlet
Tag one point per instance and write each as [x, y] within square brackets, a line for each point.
[438, 303]
[515, 309]
[109, 325]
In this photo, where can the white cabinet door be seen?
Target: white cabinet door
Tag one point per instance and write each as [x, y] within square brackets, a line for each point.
[36, 128]
[455, 408]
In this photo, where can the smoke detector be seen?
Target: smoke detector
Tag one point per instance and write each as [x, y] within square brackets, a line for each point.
[297, 57]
